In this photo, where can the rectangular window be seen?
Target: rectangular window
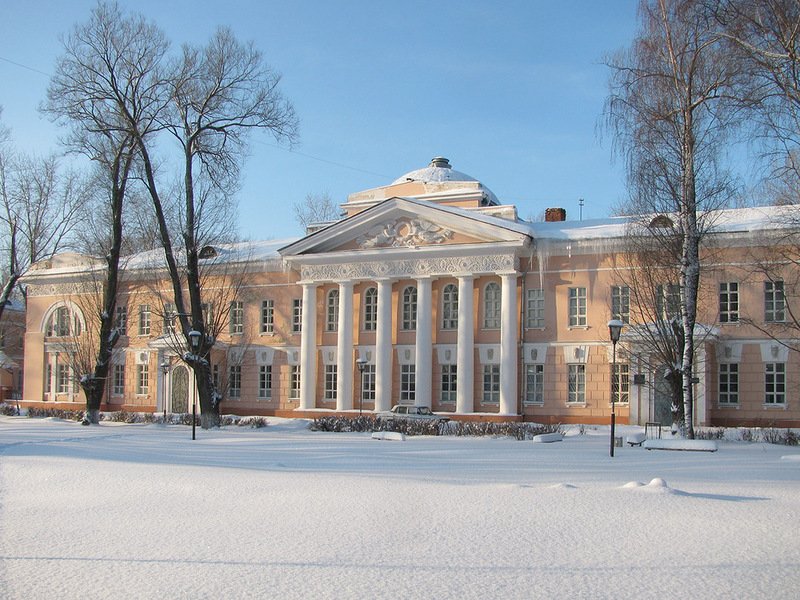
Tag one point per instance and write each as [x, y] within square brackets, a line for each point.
[297, 315]
[729, 302]
[774, 302]
[370, 299]
[491, 384]
[368, 383]
[775, 383]
[267, 315]
[534, 309]
[408, 383]
[729, 383]
[62, 379]
[169, 318]
[294, 382]
[534, 384]
[576, 384]
[237, 316]
[215, 376]
[449, 384]
[265, 381]
[48, 379]
[144, 319]
[235, 381]
[621, 383]
[207, 309]
[621, 303]
[118, 386]
[330, 382]
[121, 318]
[142, 380]
[668, 300]
[577, 307]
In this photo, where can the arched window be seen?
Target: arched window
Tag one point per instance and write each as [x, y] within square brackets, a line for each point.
[370, 309]
[450, 307]
[63, 321]
[333, 310]
[491, 306]
[409, 317]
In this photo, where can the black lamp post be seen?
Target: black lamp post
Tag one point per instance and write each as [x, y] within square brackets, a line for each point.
[614, 329]
[194, 340]
[165, 370]
[361, 363]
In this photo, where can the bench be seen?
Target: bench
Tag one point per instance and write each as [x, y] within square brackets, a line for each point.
[636, 439]
[686, 445]
[547, 438]
[392, 436]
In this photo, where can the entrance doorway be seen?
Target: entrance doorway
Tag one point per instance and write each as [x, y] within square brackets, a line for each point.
[180, 389]
[662, 398]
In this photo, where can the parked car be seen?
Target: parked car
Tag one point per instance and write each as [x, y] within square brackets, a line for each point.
[415, 413]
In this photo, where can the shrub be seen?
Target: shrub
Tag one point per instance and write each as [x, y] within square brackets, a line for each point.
[56, 413]
[709, 433]
[252, 422]
[8, 410]
[410, 427]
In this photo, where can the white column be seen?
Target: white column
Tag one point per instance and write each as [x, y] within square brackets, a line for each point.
[424, 347]
[344, 348]
[508, 345]
[308, 348]
[465, 353]
[383, 347]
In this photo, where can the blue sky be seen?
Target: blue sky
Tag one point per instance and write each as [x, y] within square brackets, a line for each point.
[511, 93]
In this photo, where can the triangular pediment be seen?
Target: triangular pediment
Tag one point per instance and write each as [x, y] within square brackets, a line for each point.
[403, 223]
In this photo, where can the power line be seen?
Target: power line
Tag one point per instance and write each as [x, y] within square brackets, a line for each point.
[25, 67]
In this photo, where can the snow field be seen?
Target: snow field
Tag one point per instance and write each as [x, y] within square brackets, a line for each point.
[132, 511]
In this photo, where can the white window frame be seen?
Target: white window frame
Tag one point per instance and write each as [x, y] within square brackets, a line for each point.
[576, 383]
[577, 306]
[534, 384]
[142, 380]
[370, 299]
[491, 384]
[450, 306]
[449, 384]
[409, 308]
[331, 382]
[332, 310]
[265, 382]
[121, 318]
[297, 315]
[235, 381]
[267, 316]
[728, 384]
[534, 309]
[144, 319]
[492, 305]
[622, 382]
[294, 382]
[729, 302]
[408, 384]
[237, 317]
[368, 383]
[775, 384]
[118, 380]
[774, 301]
[621, 303]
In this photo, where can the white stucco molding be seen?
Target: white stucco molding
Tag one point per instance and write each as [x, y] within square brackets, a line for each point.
[330, 354]
[576, 353]
[534, 354]
[264, 355]
[406, 355]
[729, 352]
[773, 351]
[447, 354]
[396, 269]
[489, 354]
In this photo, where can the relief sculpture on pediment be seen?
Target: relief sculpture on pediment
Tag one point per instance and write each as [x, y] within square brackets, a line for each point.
[404, 232]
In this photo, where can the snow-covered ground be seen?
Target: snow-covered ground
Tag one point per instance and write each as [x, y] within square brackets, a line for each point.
[140, 511]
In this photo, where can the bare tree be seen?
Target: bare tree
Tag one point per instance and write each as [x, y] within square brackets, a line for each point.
[670, 114]
[217, 94]
[107, 78]
[316, 208]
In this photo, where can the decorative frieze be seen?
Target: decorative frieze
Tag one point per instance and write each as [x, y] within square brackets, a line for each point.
[404, 232]
[61, 290]
[411, 268]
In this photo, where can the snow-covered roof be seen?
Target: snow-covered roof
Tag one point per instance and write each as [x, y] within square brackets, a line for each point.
[230, 253]
[440, 171]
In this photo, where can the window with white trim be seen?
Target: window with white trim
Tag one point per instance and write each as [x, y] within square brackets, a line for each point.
[668, 301]
[142, 380]
[237, 317]
[408, 383]
[297, 315]
[491, 384]
[728, 383]
[774, 302]
[235, 381]
[450, 306]
[215, 376]
[332, 311]
[576, 384]
[370, 300]
[621, 303]
[121, 318]
[62, 378]
[330, 382]
[48, 379]
[534, 384]
[267, 316]
[294, 382]
[621, 383]
[169, 317]
[728, 302]
[449, 388]
[63, 322]
[265, 381]
[492, 305]
[144, 319]
[775, 383]
[368, 383]
[534, 309]
[577, 307]
[118, 385]
[409, 308]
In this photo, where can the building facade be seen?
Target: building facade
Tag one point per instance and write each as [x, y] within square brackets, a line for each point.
[453, 302]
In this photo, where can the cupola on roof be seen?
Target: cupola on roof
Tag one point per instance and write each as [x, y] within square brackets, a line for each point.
[438, 171]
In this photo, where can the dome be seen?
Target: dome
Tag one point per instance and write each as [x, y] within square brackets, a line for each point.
[440, 171]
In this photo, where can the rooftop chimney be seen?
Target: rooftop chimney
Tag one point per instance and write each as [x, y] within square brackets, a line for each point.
[555, 214]
[440, 161]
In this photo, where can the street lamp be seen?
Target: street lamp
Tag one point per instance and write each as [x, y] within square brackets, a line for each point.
[194, 340]
[165, 370]
[361, 363]
[614, 330]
